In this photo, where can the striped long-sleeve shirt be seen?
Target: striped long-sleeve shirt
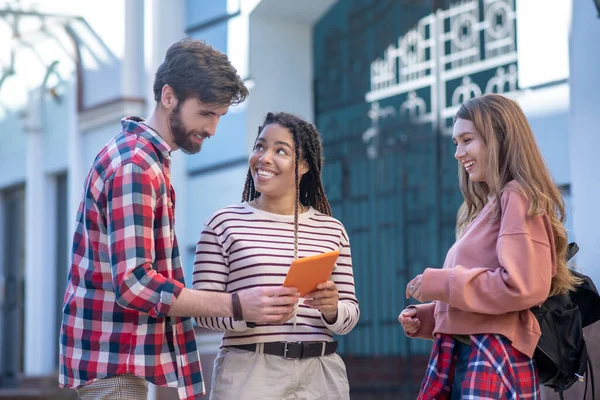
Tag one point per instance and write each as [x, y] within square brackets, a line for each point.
[241, 247]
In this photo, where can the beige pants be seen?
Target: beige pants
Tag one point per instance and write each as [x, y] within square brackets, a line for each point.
[245, 375]
[120, 387]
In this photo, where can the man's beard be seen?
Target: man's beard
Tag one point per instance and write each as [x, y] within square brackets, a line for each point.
[182, 136]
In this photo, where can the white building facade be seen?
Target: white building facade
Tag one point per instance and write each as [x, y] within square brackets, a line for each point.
[49, 142]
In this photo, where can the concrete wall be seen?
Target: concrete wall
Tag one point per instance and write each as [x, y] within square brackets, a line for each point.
[584, 135]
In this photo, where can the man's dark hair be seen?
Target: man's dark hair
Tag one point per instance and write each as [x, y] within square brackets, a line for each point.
[195, 69]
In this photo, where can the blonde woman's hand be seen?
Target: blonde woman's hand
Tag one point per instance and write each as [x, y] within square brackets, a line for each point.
[413, 289]
[409, 321]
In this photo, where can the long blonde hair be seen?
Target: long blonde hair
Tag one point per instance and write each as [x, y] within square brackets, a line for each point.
[513, 155]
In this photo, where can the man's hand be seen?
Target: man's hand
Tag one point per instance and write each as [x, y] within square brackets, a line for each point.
[284, 319]
[268, 304]
[325, 299]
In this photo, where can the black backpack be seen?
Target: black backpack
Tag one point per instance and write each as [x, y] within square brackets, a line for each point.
[561, 354]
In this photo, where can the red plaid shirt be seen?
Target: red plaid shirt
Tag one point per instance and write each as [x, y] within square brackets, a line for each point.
[126, 272]
[495, 371]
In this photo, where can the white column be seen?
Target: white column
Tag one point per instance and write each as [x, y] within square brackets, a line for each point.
[271, 30]
[39, 285]
[76, 171]
[164, 25]
[584, 135]
[133, 74]
[167, 26]
[2, 280]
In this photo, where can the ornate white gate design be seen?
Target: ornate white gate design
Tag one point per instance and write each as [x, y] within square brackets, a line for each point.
[446, 46]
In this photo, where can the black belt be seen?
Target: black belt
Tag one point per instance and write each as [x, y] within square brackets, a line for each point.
[291, 350]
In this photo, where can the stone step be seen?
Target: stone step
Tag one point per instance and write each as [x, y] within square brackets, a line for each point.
[37, 387]
[37, 394]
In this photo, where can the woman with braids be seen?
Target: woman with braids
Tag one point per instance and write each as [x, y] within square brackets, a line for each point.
[509, 256]
[284, 215]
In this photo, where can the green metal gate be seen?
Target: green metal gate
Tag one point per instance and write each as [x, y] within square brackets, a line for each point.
[389, 76]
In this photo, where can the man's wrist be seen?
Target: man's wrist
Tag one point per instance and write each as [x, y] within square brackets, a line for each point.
[236, 307]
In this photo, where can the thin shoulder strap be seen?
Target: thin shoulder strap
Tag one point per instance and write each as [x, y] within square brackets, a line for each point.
[591, 370]
[572, 249]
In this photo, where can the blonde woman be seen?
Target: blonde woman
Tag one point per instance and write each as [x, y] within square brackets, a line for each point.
[509, 256]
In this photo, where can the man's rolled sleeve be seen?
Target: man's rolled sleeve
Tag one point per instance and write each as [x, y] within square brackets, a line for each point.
[131, 203]
[170, 292]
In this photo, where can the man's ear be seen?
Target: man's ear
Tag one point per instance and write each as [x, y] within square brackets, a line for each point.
[168, 98]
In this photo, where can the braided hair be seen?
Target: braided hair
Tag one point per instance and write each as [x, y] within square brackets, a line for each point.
[309, 188]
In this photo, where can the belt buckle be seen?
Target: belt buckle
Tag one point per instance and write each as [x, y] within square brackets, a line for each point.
[285, 350]
[323, 348]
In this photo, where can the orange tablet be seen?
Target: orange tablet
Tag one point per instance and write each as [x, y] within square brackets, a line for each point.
[306, 273]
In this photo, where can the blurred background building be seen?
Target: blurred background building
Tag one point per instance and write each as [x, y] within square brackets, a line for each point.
[381, 79]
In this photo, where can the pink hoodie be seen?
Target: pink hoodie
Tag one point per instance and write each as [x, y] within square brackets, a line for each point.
[492, 275]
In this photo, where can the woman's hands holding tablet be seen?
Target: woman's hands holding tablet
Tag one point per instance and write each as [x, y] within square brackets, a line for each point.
[325, 299]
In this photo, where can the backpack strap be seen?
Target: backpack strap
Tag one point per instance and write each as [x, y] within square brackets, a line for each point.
[590, 369]
[572, 249]
[592, 378]
[586, 384]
